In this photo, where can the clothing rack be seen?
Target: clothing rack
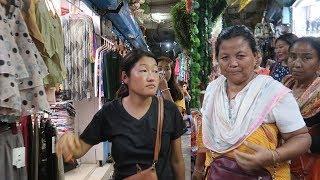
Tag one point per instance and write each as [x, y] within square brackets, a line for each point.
[108, 41]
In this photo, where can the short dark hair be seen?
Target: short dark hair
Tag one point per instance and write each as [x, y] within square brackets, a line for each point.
[126, 65]
[312, 41]
[236, 31]
[289, 38]
[164, 58]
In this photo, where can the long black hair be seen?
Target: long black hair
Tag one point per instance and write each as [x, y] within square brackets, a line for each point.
[175, 91]
[126, 66]
[236, 31]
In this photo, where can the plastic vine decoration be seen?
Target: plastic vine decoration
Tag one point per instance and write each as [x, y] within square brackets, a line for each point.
[193, 33]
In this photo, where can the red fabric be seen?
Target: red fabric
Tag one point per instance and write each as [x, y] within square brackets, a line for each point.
[263, 71]
[188, 6]
[24, 122]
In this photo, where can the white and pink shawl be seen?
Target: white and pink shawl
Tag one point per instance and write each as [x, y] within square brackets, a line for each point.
[220, 134]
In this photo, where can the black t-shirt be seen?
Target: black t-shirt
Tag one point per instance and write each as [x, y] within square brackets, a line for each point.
[133, 140]
[314, 121]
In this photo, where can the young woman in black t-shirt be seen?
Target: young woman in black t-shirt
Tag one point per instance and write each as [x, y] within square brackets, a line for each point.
[129, 122]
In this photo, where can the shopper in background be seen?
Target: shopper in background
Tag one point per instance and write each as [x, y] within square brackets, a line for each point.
[280, 68]
[304, 64]
[168, 86]
[244, 113]
[259, 69]
[186, 113]
[130, 123]
[184, 87]
[203, 156]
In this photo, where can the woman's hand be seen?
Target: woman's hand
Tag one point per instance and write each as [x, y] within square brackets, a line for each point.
[251, 162]
[70, 147]
[163, 84]
[163, 87]
[198, 175]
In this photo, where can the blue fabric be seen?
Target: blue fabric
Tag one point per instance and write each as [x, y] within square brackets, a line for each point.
[279, 71]
[123, 22]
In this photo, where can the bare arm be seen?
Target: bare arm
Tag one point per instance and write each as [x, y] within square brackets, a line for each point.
[199, 168]
[177, 161]
[296, 143]
[72, 147]
[163, 87]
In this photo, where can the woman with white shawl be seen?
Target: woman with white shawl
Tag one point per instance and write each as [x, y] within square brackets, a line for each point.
[246, 116]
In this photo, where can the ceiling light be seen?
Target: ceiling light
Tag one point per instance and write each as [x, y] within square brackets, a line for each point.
[168, 45]
[159, 17]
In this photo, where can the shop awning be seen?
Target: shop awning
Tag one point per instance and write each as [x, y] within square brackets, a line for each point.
[122, 20]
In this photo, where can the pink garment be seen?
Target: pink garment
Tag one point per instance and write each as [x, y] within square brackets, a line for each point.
[25, 121]
[177, 68]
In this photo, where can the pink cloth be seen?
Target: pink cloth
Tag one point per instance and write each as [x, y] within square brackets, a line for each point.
[177, 67]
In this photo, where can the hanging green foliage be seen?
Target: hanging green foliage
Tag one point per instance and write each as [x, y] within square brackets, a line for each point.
[181, 24]
[193, 33]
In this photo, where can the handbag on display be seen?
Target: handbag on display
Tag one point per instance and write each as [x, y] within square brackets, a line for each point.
[150, 173]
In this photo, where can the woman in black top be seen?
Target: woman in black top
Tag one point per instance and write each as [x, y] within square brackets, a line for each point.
[130, 124]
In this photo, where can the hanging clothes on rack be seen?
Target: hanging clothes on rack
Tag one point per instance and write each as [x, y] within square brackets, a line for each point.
[62, 117]
[79, 56]
[50, 40]
[40, 136]
[22, 69]
[10, 138]
[111, 74]
[182, 67]
[107, 71]
[48, 166]
[27, 129]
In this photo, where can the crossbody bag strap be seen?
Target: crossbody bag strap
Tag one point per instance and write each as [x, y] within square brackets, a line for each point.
[159, 130]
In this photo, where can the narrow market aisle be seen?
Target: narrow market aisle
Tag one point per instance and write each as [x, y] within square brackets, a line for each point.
[186, 150]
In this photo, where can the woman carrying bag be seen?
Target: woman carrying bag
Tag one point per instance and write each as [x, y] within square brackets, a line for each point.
[245, 115]
[131, 124]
